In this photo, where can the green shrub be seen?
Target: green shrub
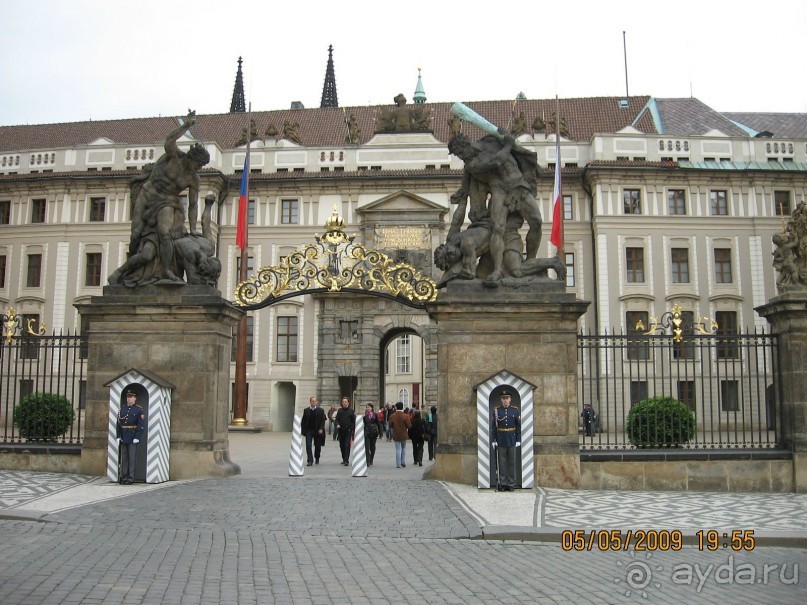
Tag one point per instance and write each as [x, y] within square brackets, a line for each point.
[43, 416]
[660, 422]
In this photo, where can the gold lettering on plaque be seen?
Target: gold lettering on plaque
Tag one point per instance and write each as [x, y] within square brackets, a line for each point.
[402, 237]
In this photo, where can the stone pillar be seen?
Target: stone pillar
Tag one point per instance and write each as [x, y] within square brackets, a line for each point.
[787, 315]
[181, 333]
[530, 331]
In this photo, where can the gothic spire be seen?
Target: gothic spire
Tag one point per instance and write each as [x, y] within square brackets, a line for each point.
[329, 98]
[420, 94]
[238, 104]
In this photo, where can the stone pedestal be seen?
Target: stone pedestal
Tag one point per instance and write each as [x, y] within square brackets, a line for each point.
[787, 315]
[182, 333]
[530, 331]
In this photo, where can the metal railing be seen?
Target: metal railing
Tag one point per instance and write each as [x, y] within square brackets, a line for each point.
[42, 364]
[731, 382]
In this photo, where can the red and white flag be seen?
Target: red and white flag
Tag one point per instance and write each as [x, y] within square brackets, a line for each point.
[556, 238]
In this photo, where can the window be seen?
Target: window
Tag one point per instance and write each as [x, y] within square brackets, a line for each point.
[570, 269]
[97, 209]
[348, 330]
[403, 354]
[287, 338]
[251, 212]
[781, 203]
[680, 265]
[638, 346]
[718, 201]
[729, 396]
[289, 212]
[676, 201]
[34, 274]
[92, 271]
[686, 393]
[250, 266]
[727, 348]
[250, 338]
[686, 348]
[638, 391]
[2, 270]
[632, 200]
[38, 211]
[5, 213]
[634, 265]
[403, 397]
[26, 388]
[568, 209]
[722, 265]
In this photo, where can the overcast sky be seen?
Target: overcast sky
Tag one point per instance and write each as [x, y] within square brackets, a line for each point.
[73, 60]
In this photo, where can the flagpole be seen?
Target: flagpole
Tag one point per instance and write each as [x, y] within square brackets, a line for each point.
[240, 398]
[557, 235]
[561, 252]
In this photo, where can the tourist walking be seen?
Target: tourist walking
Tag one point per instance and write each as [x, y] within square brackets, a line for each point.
[372, 429]
[417, 434]
[345, 425]
[400, 434]
[332, 420]
[431, 431]
[312, 426]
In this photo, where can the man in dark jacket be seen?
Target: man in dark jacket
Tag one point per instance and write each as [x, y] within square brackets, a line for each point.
[313, 427]
[345, 423]
[129, 429]
[506, 440]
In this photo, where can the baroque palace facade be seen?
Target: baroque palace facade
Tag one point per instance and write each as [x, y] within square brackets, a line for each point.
[667, 201]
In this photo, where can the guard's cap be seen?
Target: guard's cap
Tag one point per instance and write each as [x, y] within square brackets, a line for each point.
[505, 393]
[131, 394]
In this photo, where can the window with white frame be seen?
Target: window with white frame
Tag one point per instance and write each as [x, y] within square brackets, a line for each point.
[403, 354]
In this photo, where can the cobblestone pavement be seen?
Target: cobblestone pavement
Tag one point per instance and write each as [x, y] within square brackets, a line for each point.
[263, 537]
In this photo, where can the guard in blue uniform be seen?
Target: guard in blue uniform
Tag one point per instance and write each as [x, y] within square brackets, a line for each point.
[506, 439]
[129, 429]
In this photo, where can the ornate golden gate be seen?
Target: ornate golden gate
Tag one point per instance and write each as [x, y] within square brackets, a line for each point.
[335, 263]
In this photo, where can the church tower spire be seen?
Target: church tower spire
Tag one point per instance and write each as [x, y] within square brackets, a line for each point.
[329, 98]
[238, 104]
[420, 94]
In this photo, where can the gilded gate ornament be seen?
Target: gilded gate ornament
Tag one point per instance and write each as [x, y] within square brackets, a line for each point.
[334, 263]
[675, 321]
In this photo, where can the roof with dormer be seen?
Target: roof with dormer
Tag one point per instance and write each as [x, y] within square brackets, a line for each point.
[326, 127]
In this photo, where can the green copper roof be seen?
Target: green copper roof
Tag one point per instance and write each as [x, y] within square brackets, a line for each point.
[727, 165]
[420, 94]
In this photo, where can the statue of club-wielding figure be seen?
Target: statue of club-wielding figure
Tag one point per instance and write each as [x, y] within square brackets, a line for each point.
[158, 218]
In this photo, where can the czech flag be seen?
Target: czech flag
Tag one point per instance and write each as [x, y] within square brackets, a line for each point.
[556, 238]
[243, 204]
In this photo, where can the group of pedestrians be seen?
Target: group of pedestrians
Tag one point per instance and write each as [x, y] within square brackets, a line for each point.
[393, 422]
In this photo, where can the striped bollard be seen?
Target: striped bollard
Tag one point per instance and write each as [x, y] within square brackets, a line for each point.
[359, 454]
[296, 454]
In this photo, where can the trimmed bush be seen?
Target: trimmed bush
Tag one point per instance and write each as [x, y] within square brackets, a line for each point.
[660, 422]
[43, 416]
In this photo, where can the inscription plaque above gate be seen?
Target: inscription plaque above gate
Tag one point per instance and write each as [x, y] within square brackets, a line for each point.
[336, 263]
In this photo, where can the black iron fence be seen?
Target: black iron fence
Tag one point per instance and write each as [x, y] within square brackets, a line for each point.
[42, 388]
[730, 383]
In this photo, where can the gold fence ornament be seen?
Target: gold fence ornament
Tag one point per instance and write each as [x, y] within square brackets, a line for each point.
[673, 320]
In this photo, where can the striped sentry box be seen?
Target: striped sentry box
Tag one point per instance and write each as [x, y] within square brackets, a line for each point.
[483, 424]
[158, 423]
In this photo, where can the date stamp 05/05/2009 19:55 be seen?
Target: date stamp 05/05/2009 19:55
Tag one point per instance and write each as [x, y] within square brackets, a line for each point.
[655, 540]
